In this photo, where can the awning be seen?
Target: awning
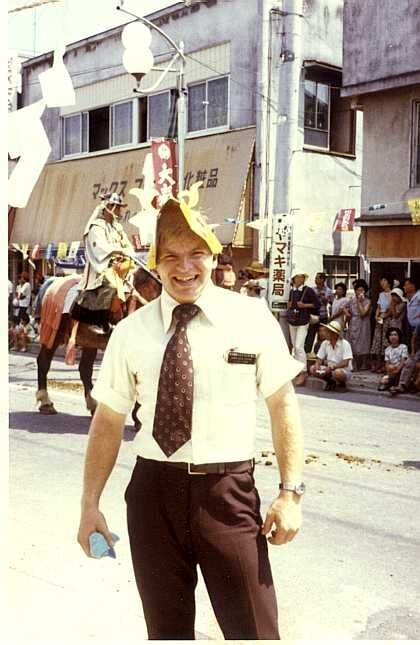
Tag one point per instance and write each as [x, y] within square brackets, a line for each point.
[67, 191]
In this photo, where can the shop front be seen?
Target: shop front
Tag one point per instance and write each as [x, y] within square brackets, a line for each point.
[68, 191]
[390, 246]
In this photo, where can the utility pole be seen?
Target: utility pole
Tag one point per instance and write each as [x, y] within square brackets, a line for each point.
[288, 71]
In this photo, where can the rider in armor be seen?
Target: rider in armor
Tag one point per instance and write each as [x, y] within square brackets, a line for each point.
[109, 256]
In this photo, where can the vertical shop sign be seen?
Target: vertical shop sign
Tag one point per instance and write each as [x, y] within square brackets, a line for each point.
[280, 262]
[165, 168]
[345, 220]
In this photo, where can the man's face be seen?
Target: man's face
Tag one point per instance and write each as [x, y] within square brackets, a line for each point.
[409, 288]
[184, 265]
[298, 280]
[319, 281]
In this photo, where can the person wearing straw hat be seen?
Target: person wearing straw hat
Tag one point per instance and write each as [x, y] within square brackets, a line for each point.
[334, 358]
[194, 359]
[303, 302]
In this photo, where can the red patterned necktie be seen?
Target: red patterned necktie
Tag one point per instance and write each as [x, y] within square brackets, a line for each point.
[173, 412]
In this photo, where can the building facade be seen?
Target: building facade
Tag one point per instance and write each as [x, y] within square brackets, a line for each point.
[381, 76]
[267, 130]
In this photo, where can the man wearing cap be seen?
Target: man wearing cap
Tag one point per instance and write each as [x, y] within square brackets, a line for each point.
[195, 359]
[106, 245]
[334, 357]
[302, 302]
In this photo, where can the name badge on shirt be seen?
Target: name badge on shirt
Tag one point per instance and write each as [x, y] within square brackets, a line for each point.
[240, 358]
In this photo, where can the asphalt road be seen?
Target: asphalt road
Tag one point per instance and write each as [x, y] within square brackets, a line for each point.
[350, 573]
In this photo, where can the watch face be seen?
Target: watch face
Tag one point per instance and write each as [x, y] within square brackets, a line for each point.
[300, 489]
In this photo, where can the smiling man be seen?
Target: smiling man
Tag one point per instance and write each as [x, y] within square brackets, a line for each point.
[195, 359]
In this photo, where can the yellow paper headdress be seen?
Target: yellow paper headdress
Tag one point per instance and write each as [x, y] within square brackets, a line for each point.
[195, 220]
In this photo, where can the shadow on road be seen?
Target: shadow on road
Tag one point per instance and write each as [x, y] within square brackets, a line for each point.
[412, 405]
[412, 464]
[61, 423]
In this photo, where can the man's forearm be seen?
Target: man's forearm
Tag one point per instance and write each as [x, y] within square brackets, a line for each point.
[105, 436]
[287, 434]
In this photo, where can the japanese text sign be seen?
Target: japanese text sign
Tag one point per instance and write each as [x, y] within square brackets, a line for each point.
[165, 168]
[280, 262]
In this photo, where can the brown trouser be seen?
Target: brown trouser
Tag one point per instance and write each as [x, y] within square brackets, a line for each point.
[176, 521]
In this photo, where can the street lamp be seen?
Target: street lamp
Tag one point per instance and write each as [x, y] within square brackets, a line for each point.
[138, 61]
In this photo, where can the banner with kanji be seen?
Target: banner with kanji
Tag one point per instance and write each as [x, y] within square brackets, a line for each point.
[165, 168]
[280, 262]
[345, 220]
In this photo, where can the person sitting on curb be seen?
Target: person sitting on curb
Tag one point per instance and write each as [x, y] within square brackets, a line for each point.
[23, 334]
[409, 368]
[396, 355]
[334, 358]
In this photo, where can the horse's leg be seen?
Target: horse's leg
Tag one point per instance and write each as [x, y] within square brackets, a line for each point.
[43, 360]
[87, 360]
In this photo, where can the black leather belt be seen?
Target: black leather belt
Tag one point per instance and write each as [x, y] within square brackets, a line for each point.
[212, 469]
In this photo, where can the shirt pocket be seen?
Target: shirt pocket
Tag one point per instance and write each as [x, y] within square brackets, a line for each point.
[238, 383]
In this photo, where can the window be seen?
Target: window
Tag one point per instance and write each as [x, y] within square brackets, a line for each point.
[329, 121]
[415, 157]
[341, 269]
[98, 129]
[208, 104]
[122, 123]
[162, 115]
[75, 134]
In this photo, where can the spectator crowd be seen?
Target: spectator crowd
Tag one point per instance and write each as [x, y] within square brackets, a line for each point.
[335, 331]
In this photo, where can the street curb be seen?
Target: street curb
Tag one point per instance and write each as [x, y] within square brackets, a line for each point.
[60, 353]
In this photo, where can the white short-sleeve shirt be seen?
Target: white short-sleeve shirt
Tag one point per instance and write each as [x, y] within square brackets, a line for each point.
[341, 352]
[225, 394]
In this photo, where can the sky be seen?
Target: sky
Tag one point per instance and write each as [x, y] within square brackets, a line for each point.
[34, 31]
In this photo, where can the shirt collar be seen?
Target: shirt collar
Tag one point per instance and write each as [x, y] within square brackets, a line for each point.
[208, 303]
[415, 296]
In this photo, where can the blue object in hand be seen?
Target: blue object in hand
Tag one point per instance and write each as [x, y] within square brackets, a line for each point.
[99, 547]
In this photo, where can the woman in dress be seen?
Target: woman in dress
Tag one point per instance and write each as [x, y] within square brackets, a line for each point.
[383, 316]
[358, 332]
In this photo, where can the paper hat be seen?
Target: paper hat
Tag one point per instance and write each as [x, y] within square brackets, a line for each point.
[195, 221]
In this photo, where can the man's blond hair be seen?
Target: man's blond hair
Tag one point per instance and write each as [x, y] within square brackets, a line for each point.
[172, 224]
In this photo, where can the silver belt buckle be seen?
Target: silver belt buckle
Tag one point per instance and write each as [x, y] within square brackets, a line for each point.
[194, 472]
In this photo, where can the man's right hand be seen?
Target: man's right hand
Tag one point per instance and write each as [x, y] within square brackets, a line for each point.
[92, 520]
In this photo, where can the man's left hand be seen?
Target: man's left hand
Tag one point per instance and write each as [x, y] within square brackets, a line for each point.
[285, 515]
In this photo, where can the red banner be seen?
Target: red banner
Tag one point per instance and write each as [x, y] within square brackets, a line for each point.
[165, 168]
[345, 220]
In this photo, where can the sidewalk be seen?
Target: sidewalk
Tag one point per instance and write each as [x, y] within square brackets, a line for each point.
[364, 382]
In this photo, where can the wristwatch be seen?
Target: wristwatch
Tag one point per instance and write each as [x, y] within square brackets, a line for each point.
[299, 489]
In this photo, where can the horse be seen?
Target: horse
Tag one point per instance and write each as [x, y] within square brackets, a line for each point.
[57, 323]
